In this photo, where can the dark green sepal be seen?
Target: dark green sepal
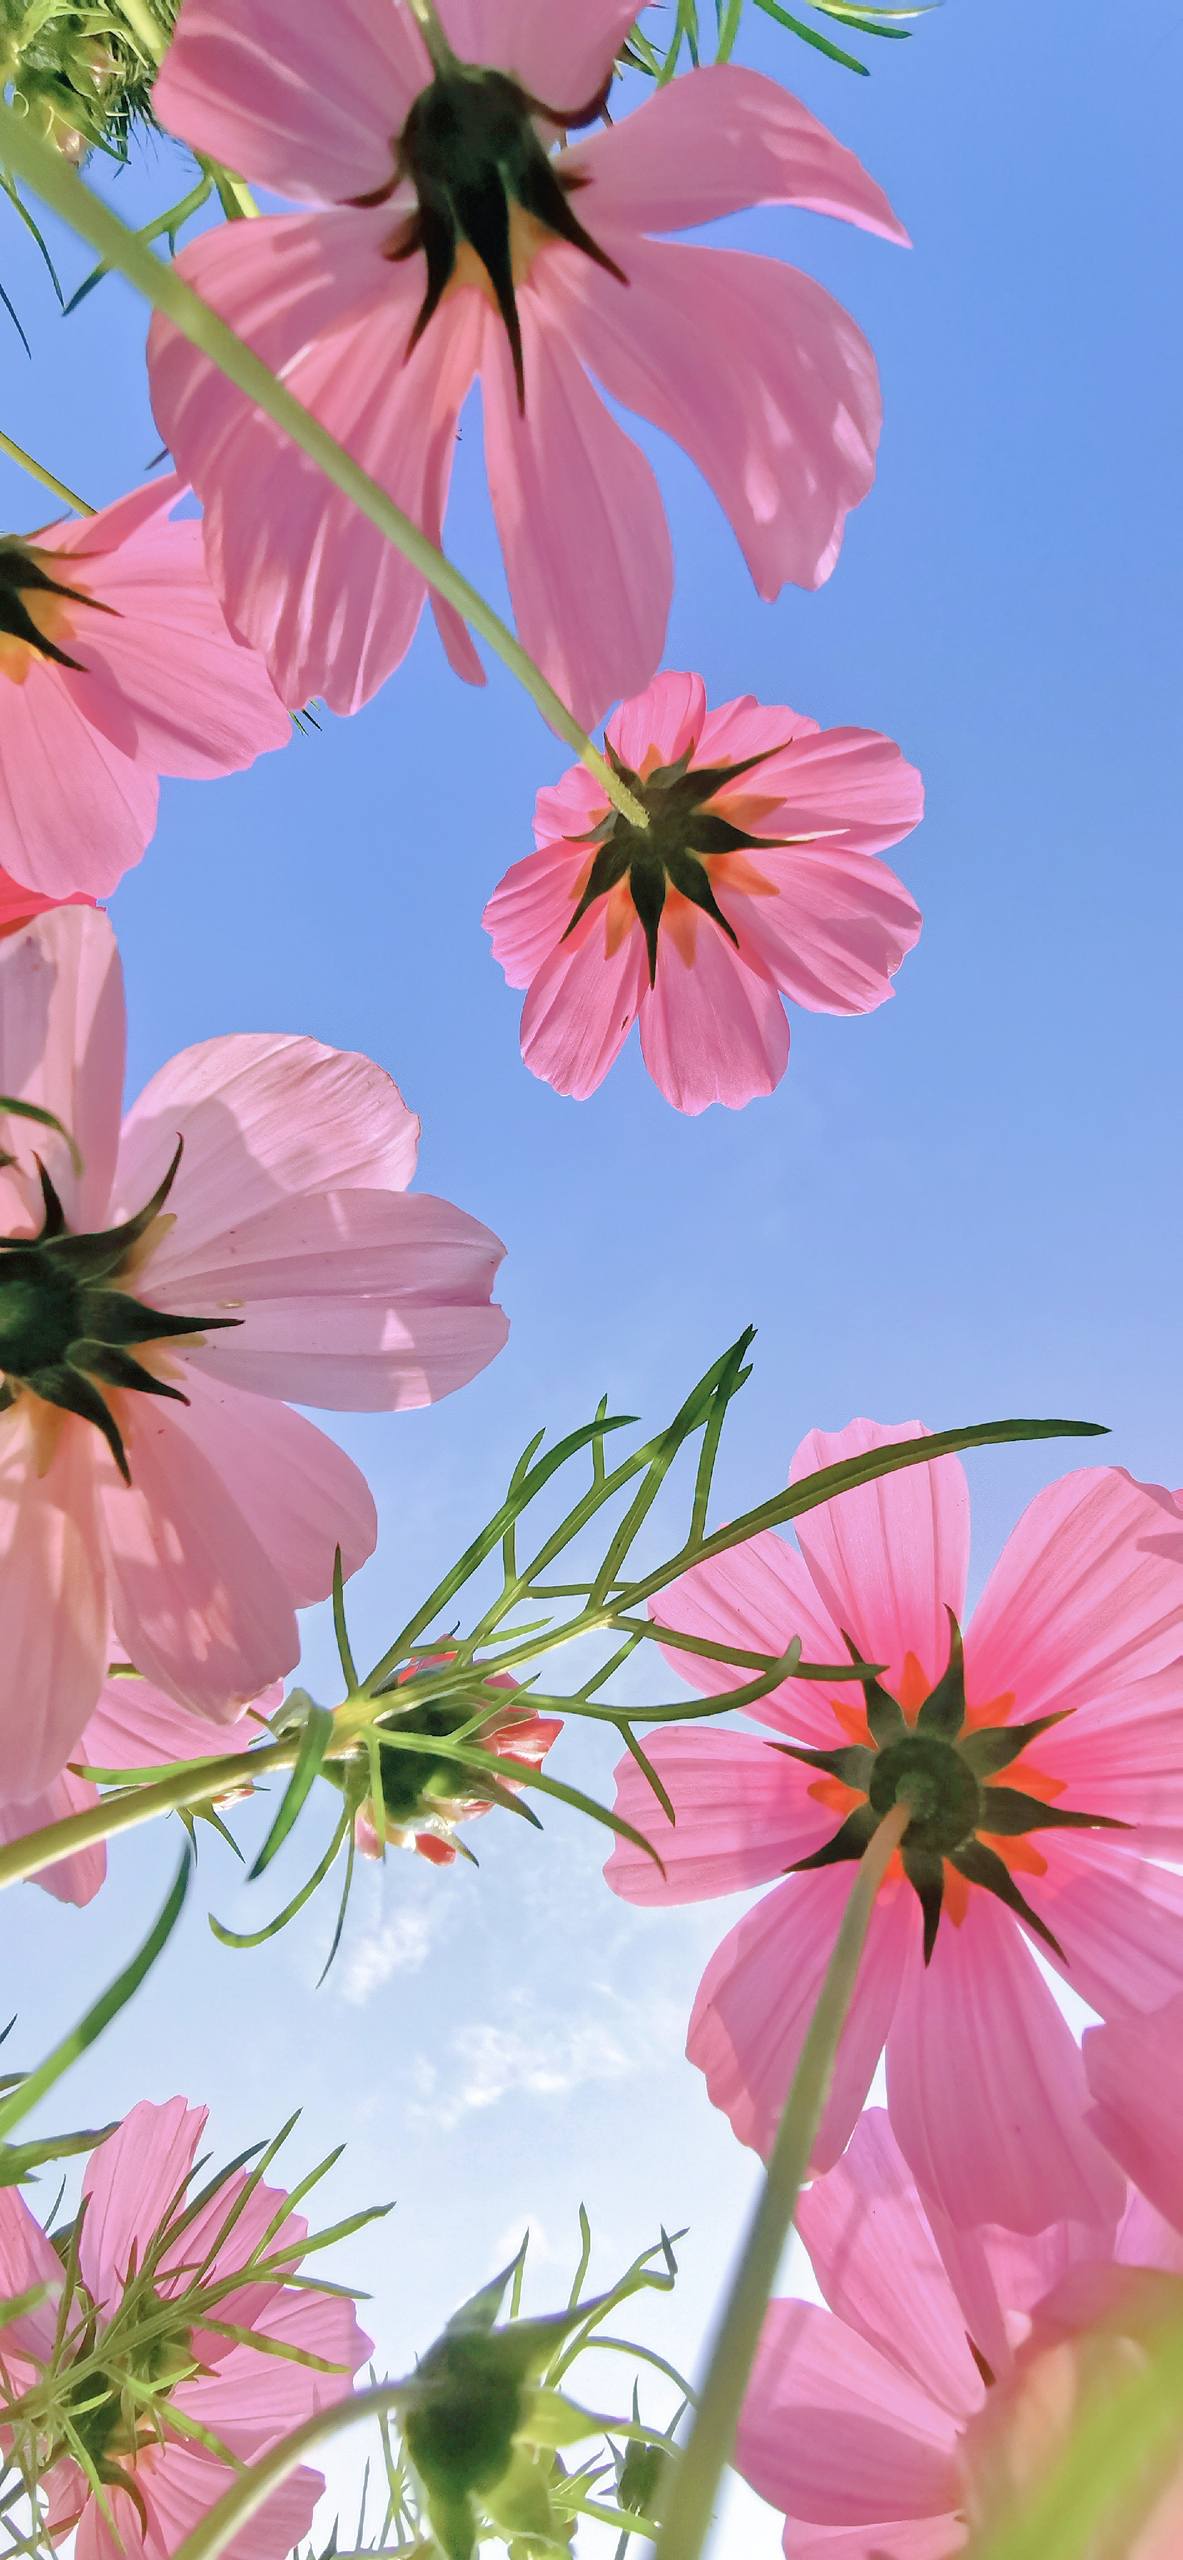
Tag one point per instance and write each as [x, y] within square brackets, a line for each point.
[114, 1317]
[851, 1762]
[926, 1875]
[982, 1865]
[943, 1710]
[118, 1368]
[1007, 1812]
[855, 1835]
[993, 1747]
[21, 575]
[885, 1716]
[610, 865]
[95, 1257]
[688, 877]
[647, 883]
[71, 1391]
[710, 834]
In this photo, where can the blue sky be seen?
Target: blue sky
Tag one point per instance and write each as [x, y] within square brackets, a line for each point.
[965, 1205]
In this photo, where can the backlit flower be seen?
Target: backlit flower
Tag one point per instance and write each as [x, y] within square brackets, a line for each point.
[151, 2407]
[449, 239]
[426, 1797]
[947, 2374]
[116, 666]
[1043, 1761]
[755, 878]
[245, 1238]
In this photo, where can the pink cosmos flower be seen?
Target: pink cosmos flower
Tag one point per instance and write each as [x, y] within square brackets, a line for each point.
[133, 1726]
[756, 877]
[947, 2372]
[115, 666]
[247, 1237]
[448, 240]
[422, 1804]
[137, 2256]
[1060, 1717]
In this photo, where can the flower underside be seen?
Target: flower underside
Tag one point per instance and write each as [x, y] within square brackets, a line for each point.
[69, 1327]
[673, 852]
[23, 575]
[944, 1774]
[471, 149]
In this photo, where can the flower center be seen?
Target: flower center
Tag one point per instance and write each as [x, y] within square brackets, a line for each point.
[473, 153]
[945, 1774]
[35, 611]
[69, 1326]
[674, 851]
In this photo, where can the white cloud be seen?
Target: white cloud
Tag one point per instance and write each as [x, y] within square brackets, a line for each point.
[400, 1945]
[543, 2056]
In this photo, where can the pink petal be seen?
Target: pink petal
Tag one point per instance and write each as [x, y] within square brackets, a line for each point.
[713, 143]
[253, 2398]
[563, 57]
[19, 905]
[832, 2429]
[179, 2484]
[308, 106]
[53, 1599]
[836, 931]
[265, 1118]
[755, 370]
[75, 811]
[759, 1992]
[1126, 1759]
[712, 1027]
[363, 1300]
[199, 703]
[74, 1879]
[62, 1034]
[744, 1815]
[920, 2538]
[581, 1007]
[135, 1725]
[759, 1596]
[586, 545]
[531, 908]
[1077, 1606]
[131, 2182]
[746, 727]
[27, 2259]
[661, 724]
[890, 1557]
[328, 600]
[880, 2270]
[852, 780]
[1135, 2077]
[229, 1526]
[986, 2086]
[1118, 1917]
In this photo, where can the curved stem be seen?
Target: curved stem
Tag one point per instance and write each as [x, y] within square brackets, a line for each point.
[46, 173]
[434, 33]
[694, 2486]
[37, 471]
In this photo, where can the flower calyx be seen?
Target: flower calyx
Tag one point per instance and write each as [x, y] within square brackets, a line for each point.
[945, 1774]
[673, 851]
[69, 1326]
[483, 179]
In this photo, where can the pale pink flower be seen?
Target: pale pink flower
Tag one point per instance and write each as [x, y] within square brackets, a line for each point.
[426, 1799]
[756, 878]
[1063, 1715]
[158, 2480]
[947, 2372]
[116, 666]
[247, 1237]
[133, 1726]
[448, 240]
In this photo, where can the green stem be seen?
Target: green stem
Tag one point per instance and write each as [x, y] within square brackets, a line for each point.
[42, 169]
[103, 1821]
[687, 2513]
[37, 471]
[150, 36]
[434, 33]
